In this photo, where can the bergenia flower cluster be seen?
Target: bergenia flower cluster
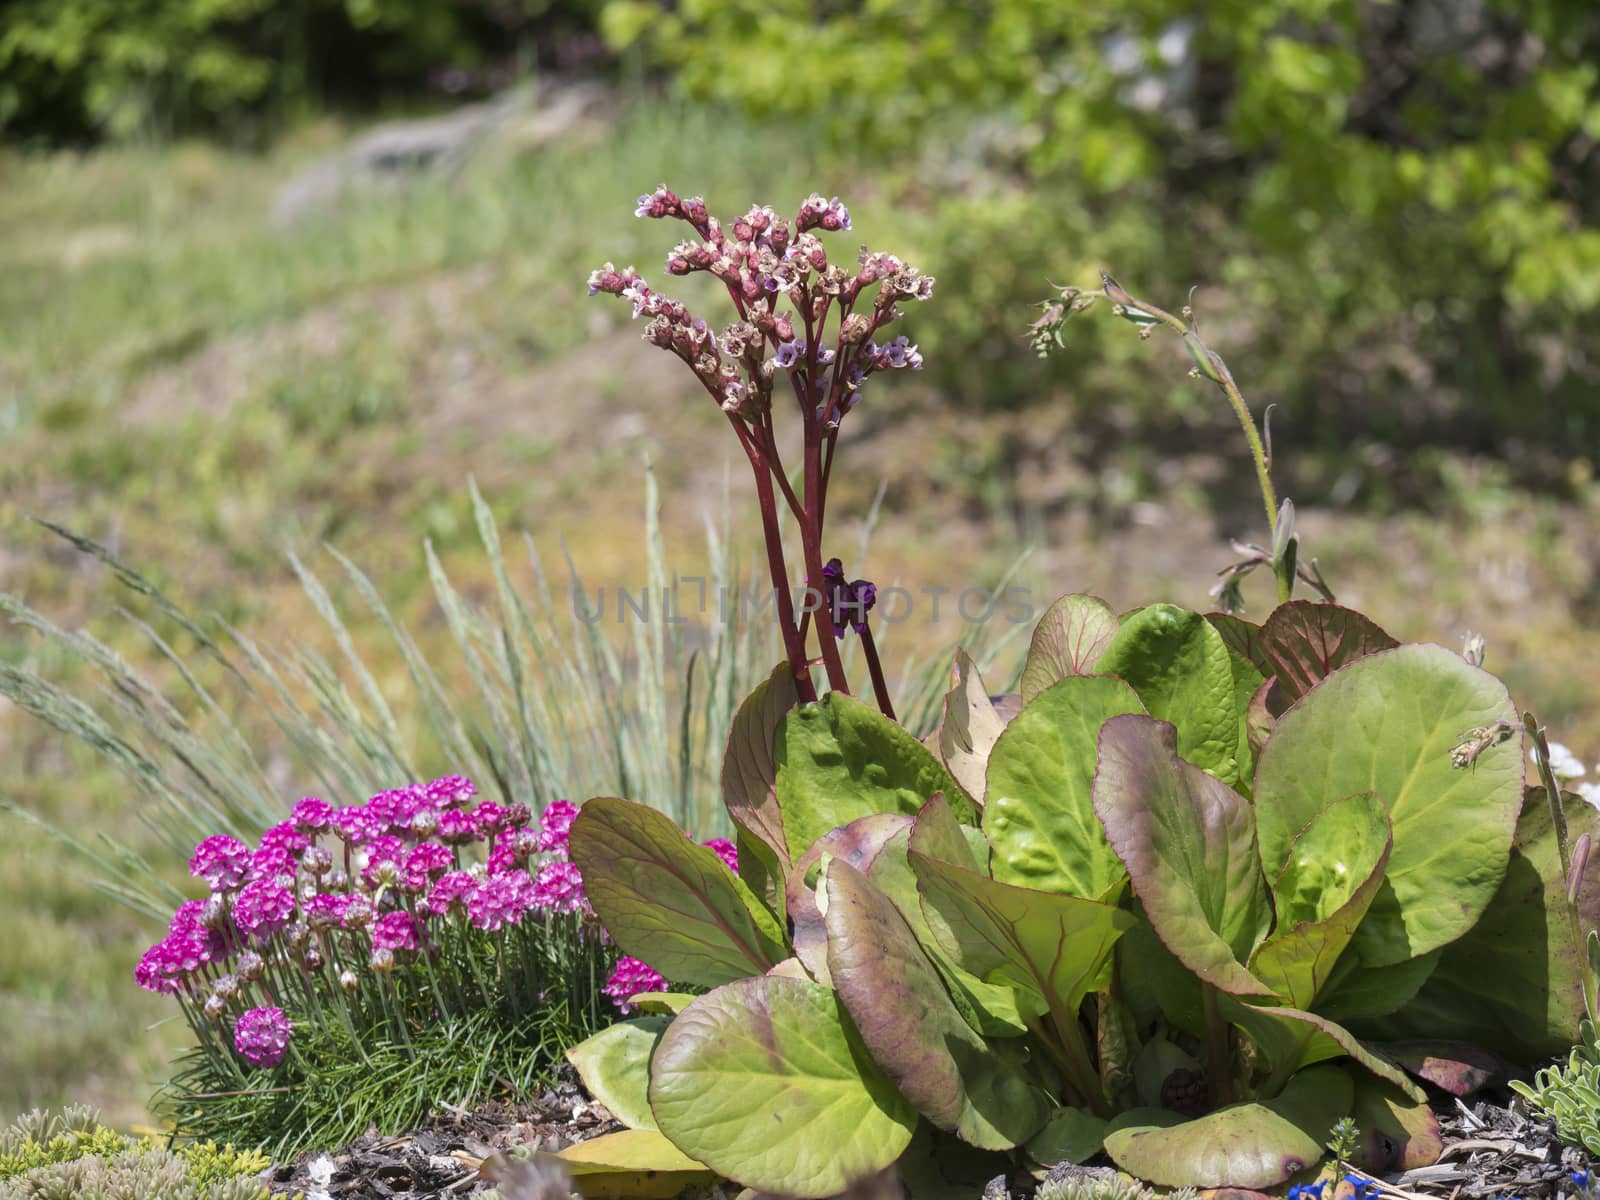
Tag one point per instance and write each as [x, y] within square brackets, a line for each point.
[408, 908]
[807, 329]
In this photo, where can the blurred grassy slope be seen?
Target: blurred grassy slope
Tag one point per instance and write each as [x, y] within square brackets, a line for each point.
[205, 394]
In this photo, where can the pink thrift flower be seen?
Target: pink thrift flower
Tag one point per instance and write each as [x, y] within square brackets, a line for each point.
[326, 910]
[726, 851]
[424, 863]
[354, 824]
[262, 1037]
[272, 862]
[263, 907]
[559, 887]
[312, 815]
[395, 931]
[555, 823]
[221, 861]
[285, 837]
[453, 889]
[489, 817]
[628, 979]
[457, 828]
[499, 900]
[450, 790]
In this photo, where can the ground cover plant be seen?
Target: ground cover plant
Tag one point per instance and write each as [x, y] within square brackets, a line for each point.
[1203, 894]
[72, 1156]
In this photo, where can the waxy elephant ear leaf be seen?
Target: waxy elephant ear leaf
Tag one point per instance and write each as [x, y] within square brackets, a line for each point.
[858, 844]
[1072, 1135]
[839, 760]
[640, 1164]
[1388, 724]
[1188, 843]
[1183, 672]
[1057, 947]
[1244, 639]
[1290, 1039]
[971, 725]
[614, 1065]
[767, 1082]
[1068, 640]
[1306, 642]
[1356, 991]
[1039, 809]
[951, 1075]
[750, 765]
[1251, 1145]
[669, 901]
[1334, 870]
[1513, 982]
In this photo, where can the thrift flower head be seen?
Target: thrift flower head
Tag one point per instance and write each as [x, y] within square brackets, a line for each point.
[312, 815]
[286, 837]
[221, 861]
[457, 828]
[559, 887]
[628, 979]
[726, 851]
[450, 790]
[354, 824]
[395, 931]
[262, 1037]
[499, 900]
[555, 824]
[264, 906]
[452, 890]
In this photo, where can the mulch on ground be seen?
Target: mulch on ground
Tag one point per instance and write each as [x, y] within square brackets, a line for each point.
[1490, 1151]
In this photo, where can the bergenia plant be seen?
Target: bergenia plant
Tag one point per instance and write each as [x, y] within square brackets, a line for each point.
[386, 933]
[809, 336]
[1204, 891]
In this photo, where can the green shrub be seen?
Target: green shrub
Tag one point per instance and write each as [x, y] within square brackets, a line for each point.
[1397, 194]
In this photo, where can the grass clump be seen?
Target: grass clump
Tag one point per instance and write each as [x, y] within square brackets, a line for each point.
[70, 1155]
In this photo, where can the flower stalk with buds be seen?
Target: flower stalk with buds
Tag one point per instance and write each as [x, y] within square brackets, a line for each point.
[807, 329]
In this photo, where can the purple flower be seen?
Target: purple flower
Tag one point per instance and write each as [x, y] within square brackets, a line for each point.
[489, 817]
[848, 603]
[555, 823]
[285, 837]
[353, 824]
[190, 917]
[312, 815]
[628, 979]
[559, 888]
[272, 862]
[263, 907]
[788, 354]
[449, 790]
[452, 889]
[456, 828]
[726, 851]
[262, 1037]
[385, 854]
[221, 861]
[423, 863]
[326, 910]
[151, 973]
[500, 900]
[395, 931]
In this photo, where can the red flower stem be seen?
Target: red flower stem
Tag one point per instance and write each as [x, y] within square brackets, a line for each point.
[810, 522]
[880, 688]
[793, 639]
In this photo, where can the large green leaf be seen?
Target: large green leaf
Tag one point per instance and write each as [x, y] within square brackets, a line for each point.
[858, 844]
[614, 1065]
[970, 726]
[1334, 870]
[1057, 947]
[635, 1164]
[668, 901]
[750, 767]
[1397, 1132]
[952, 1076]
[1251, 1145]
[1182, 670]
[1355, 990]
[1188, 843]
[1038, 811]
[990, 1008]
[1386, 724]
[767, 1082]
[1306, 642]
[1072, 1135]
[1069, 638]
[839, 760]
[1290, 1039]
[1512, 984]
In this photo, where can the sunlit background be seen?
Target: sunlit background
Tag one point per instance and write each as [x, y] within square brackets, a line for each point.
[278, 278]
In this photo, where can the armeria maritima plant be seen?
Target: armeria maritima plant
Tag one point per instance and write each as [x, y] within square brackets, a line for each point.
[810, 334]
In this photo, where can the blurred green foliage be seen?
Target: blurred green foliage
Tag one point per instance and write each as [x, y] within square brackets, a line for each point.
[75, 69]
[1399, 199]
